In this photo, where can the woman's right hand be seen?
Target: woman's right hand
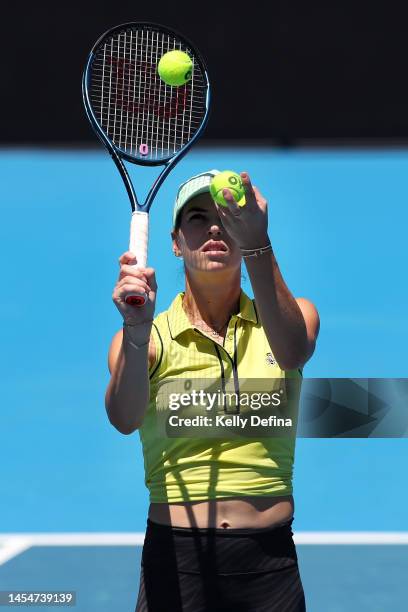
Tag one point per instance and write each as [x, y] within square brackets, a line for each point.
[135, 280]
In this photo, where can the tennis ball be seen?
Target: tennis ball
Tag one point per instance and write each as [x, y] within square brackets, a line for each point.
[227, 180]
[175, 68]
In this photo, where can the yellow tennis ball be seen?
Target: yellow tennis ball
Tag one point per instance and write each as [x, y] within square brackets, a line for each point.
[175, 68]
[227, 180]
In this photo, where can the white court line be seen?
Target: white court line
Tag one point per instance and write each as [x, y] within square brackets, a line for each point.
[76, 539]
[13, 544]
[351, 537]
[11, 547]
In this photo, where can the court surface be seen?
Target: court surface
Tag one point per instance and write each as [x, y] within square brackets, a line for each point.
[73, 505]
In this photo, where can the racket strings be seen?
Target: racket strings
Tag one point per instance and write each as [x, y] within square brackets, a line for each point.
[140, 113]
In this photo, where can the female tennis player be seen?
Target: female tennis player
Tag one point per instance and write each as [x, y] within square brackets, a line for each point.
[218, 534]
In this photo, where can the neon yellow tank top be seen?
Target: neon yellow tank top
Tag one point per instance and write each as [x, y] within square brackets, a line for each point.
[190, 468]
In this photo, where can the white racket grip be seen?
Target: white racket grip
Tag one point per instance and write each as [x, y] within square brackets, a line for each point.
[139, 236]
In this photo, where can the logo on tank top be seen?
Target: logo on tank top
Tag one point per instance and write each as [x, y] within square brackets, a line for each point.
[270, 359]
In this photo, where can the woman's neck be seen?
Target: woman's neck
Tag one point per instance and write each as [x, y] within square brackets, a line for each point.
[212, 302]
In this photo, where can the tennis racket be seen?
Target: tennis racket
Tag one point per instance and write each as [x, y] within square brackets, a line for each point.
[138, 117]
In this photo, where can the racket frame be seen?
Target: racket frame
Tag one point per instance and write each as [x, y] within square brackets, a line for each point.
[118, 154]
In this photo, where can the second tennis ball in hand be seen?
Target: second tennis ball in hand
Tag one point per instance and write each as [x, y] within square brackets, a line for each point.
[227, 180]
[175, 68]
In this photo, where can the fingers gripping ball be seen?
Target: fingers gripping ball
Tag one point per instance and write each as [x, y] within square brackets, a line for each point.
[175, 68]
[227, 180]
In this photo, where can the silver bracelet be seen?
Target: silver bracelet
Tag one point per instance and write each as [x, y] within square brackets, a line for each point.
[256, 252]
[136, 346]
[138, 323]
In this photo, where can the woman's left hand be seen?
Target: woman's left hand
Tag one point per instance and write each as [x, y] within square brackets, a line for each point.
[248, 224]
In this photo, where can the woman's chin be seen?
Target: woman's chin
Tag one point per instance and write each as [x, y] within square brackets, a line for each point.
[215, 262]
[220, 266]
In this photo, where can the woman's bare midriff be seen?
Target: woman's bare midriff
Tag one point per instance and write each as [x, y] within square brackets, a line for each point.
[232, 513]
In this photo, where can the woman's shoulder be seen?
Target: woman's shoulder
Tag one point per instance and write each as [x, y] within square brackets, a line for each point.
[160, 323]
[173, 310]
[159, 339]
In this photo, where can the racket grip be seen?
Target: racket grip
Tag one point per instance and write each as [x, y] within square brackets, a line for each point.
[139, 235]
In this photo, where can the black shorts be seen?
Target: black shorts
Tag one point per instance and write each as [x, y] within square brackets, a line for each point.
[219, 570]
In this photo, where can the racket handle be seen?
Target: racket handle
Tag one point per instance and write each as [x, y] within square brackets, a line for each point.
[139, 234]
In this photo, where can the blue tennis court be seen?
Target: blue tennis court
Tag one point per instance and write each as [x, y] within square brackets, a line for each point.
[74, 505]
